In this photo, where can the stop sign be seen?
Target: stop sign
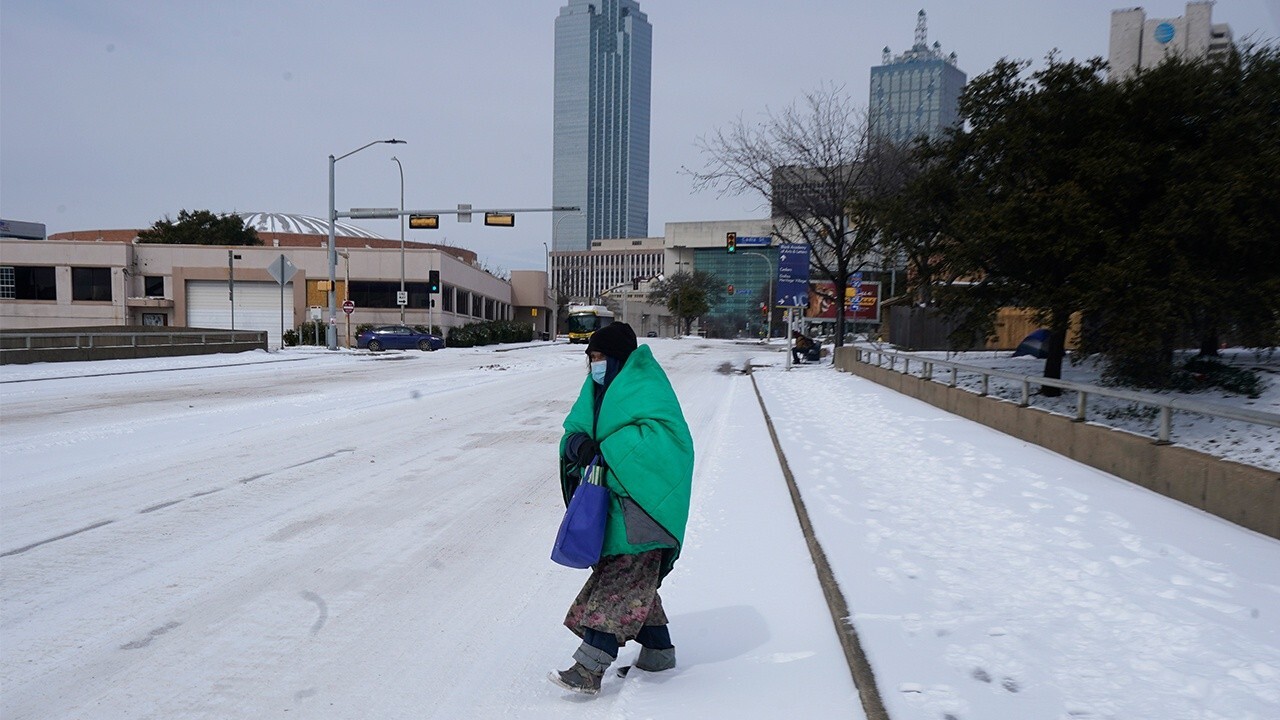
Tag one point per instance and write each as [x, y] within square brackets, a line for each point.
[348, 306]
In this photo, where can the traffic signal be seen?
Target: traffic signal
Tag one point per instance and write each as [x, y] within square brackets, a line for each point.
[731, 242]
[635, 283]
[433, 281]
[424, 222]
[764, 310]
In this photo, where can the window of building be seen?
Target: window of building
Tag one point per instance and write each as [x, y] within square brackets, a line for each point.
[489, 309]
[91, 284]
[155, 319]
[19, 282]
[464, 302]
[153, 285]
[446, 298]
[382, 294]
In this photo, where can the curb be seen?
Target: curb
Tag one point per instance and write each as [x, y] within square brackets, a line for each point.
[864, 678]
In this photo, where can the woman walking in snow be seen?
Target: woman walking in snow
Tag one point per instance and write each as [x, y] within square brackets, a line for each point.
[628, 415]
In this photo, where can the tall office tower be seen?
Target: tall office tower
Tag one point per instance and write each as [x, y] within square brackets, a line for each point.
[1141, 42]
[604, 50]
[917, 92]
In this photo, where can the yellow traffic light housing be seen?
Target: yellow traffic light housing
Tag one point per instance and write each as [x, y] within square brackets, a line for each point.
[424, 222]
[500, 219]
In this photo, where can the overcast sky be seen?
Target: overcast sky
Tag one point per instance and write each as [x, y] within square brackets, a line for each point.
[114, 113]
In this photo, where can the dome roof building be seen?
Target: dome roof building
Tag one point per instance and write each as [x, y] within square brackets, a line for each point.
[288, 223]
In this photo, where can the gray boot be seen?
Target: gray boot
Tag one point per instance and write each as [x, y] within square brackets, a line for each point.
[578, 679]
[584, 676]
[651, 660]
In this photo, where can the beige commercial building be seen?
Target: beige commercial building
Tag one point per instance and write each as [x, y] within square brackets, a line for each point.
[96, 278]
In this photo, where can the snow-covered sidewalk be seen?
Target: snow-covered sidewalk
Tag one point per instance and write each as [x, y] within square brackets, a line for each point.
[992, 579]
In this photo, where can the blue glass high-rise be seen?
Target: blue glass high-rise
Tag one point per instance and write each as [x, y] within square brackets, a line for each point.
[916, 93]
[604, 51]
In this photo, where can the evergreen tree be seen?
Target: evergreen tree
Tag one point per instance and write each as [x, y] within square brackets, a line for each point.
[201, 227]
[1036, 184]
[688, 295]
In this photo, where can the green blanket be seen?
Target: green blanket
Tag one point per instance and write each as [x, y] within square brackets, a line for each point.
[648, 453]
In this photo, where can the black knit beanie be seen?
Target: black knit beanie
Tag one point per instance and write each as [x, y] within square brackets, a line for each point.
[616, 340]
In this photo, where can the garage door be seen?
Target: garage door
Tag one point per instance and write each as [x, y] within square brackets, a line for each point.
[257, 307]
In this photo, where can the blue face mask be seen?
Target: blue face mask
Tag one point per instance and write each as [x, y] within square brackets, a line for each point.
[598, 370]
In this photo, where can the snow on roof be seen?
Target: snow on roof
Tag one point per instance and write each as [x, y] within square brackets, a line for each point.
[302, 224]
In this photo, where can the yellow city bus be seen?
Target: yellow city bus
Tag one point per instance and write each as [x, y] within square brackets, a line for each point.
[586, 319]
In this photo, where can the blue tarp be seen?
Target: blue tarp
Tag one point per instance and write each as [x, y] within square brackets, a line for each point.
[1036, 344]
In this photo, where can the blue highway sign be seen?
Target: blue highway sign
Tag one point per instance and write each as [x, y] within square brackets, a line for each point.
[793, 275]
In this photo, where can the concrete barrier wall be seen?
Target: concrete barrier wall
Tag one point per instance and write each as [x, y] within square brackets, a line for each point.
[1246, 495]
[119, 342]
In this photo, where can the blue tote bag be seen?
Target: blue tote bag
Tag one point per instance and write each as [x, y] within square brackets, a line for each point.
[581, 534]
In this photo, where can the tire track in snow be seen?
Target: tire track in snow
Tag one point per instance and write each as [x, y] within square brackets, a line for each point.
[170, 503]
[63, 536]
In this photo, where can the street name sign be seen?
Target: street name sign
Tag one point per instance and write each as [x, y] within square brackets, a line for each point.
[371, 213]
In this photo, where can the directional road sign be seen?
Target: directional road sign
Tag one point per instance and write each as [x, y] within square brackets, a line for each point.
[793, 275]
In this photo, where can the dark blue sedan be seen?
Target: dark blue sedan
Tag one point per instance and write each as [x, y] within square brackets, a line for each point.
[397, 337]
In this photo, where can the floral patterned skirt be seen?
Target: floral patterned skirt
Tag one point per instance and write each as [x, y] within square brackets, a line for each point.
[620, 597]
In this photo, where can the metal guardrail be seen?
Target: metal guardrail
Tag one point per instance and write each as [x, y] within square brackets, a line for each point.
[1166, 404]
[89, 340]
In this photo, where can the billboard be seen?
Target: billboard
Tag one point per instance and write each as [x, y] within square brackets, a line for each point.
[822, 302]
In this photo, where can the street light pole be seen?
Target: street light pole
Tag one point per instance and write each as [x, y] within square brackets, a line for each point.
[555, 298]
[401, 219]
[331, 334]
[769, 300]
[555, 228]
[555, 286]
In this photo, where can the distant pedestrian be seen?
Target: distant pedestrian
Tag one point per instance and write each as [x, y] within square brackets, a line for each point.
[628, 418]
[801, 347]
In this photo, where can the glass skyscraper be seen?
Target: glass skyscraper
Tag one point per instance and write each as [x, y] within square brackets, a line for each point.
[916, 93]
[604, 52]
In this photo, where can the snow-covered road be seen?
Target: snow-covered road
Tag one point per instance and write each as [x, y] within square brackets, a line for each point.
[346, 535]
[358, 536]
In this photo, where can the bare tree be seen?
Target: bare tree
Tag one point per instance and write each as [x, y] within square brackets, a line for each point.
[816, 165]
